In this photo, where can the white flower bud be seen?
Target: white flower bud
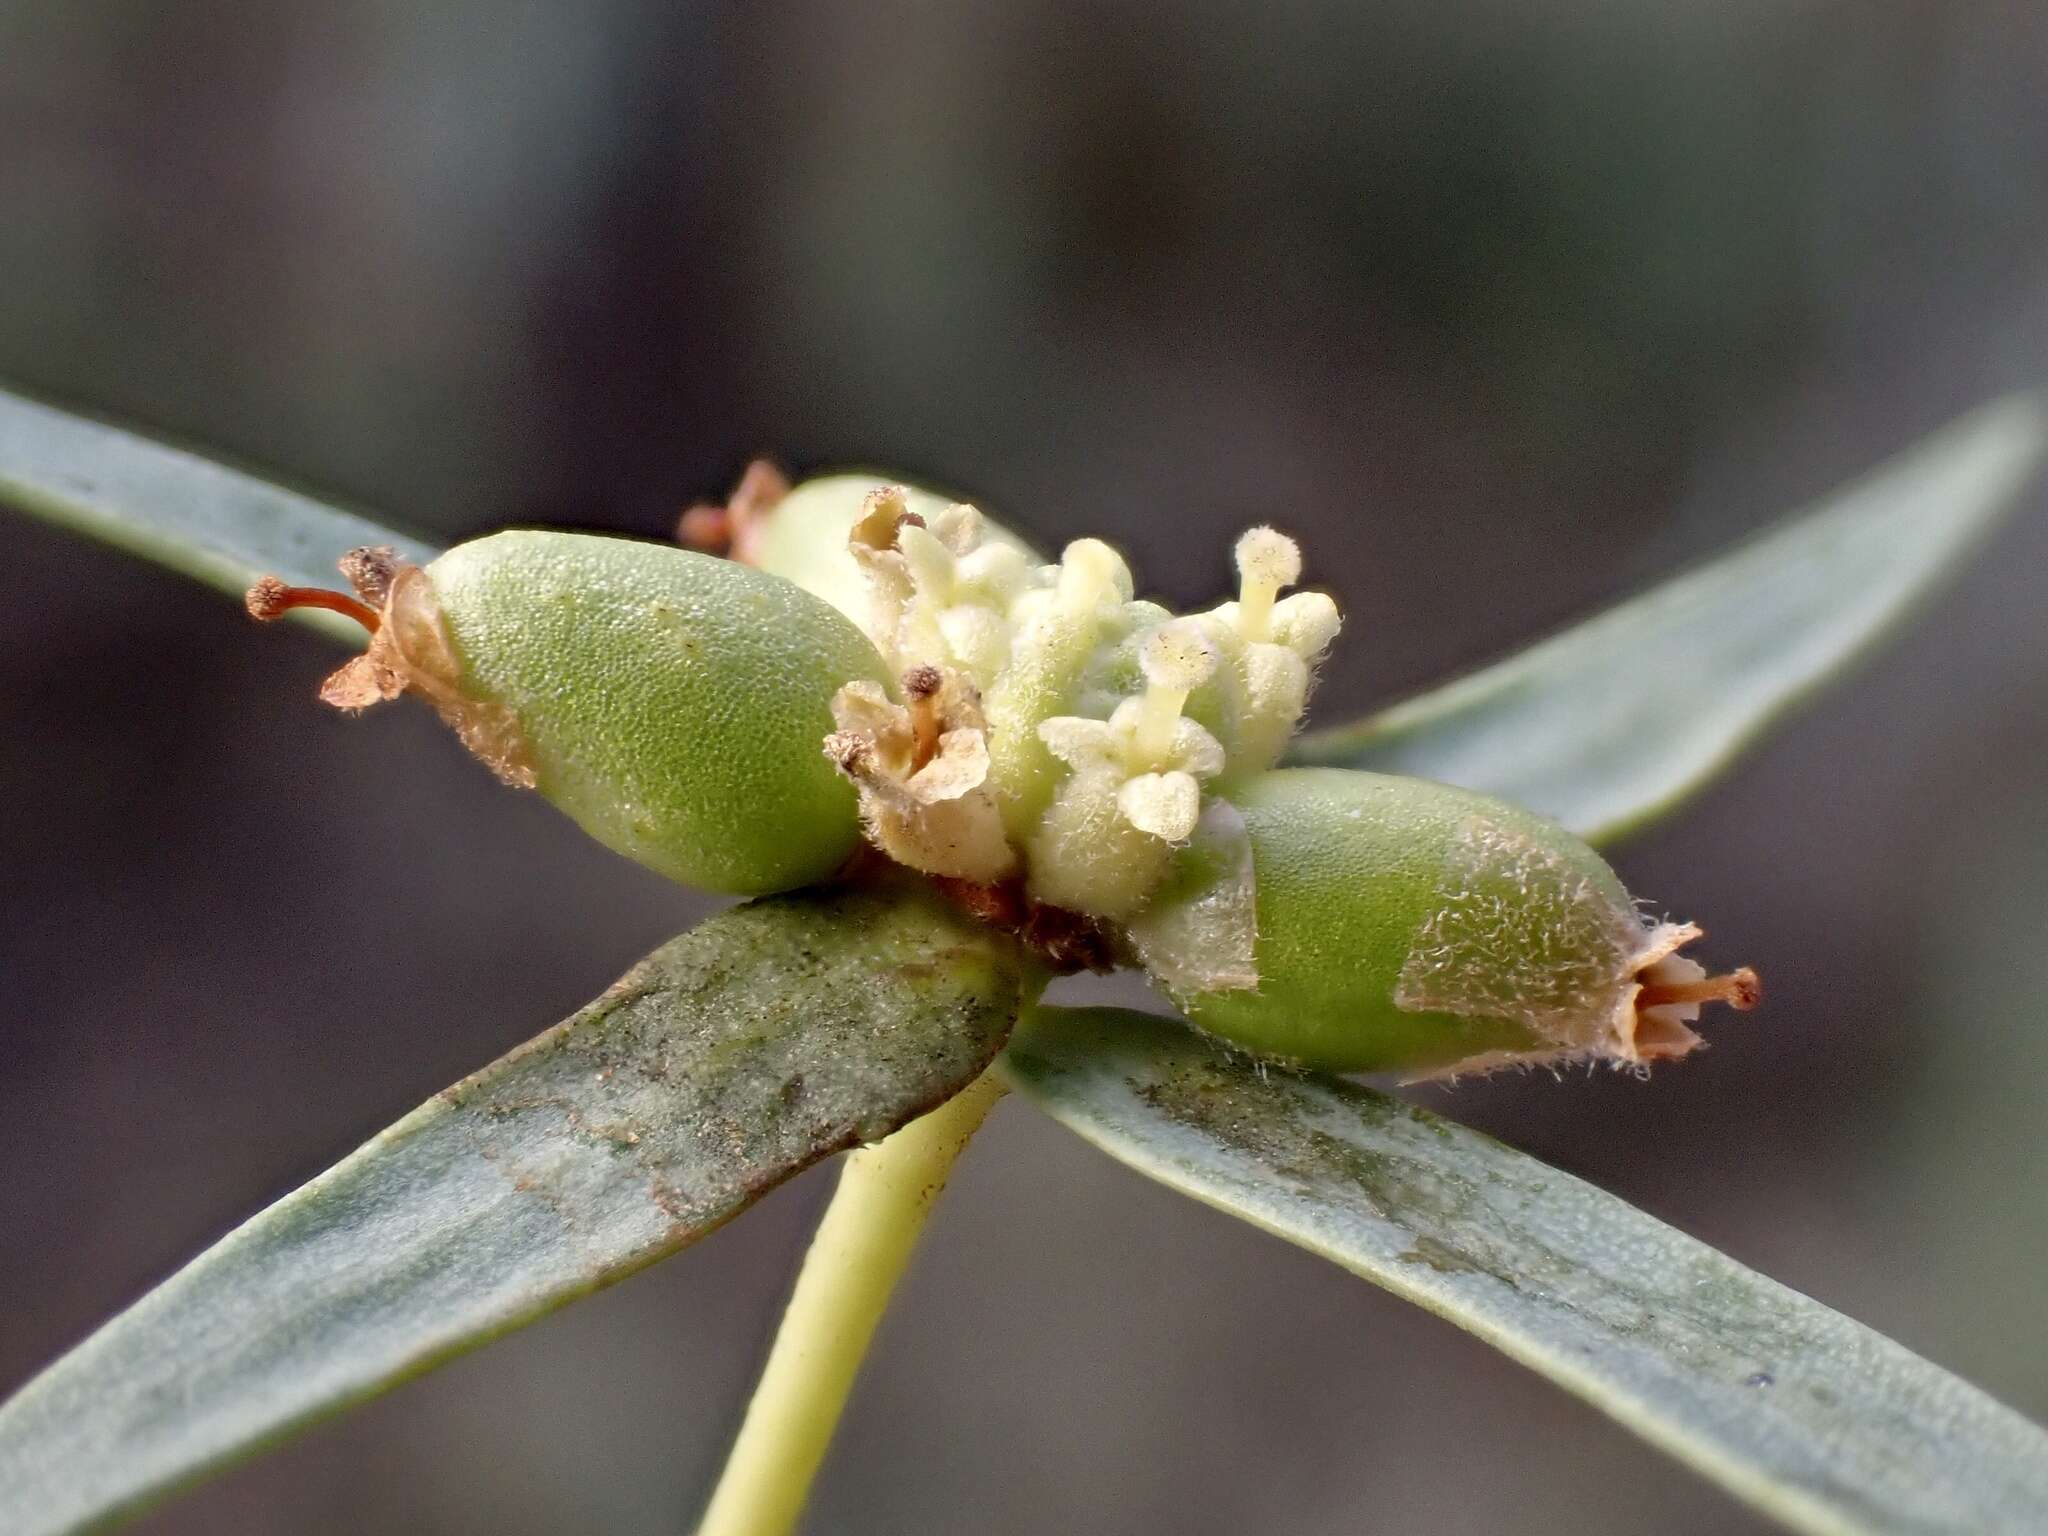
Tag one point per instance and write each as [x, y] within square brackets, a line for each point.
[1092, 574]
[1275, 693]
[959, 528]
[1306, 623]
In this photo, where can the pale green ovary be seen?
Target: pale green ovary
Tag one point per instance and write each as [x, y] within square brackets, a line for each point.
[672, 704]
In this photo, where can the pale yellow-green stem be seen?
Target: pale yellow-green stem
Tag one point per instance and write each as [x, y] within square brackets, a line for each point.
[861, 1247]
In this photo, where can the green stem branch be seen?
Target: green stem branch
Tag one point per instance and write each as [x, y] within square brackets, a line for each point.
[861, 1248]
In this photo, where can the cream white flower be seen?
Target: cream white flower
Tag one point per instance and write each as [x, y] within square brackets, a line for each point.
[1271, 645]
[1071, 728]
[1134, 787]
[941, 593]
[1056, 632]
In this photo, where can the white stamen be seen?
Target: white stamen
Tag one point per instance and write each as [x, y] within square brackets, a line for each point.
[1176, 659]
[1267, 560]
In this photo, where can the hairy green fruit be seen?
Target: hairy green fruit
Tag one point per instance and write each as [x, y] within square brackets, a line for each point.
[671, 703]
[1409, 926]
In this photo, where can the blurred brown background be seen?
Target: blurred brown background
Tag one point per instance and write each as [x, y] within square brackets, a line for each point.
[1506, 308]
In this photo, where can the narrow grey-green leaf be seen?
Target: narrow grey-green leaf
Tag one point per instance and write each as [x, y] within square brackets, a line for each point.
[1611, 724]
[1810, 1417]
[222, 526]
[770, 1037]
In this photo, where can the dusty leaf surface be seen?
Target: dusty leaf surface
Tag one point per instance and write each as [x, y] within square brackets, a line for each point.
[1807, 1415]
[770, 1037]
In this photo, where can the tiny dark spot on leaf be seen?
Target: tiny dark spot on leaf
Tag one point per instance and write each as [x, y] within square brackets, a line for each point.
[1441, 1257]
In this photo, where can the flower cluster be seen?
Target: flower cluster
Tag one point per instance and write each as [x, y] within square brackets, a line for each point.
[1070, 764]
[1051, 726]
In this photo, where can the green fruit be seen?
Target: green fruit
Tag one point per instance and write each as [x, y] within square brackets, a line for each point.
[672, 703]
[1409, 926]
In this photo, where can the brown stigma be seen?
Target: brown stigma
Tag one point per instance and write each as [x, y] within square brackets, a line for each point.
[409, 650]
[1740, 989]
[734, 529]
[270, 599]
